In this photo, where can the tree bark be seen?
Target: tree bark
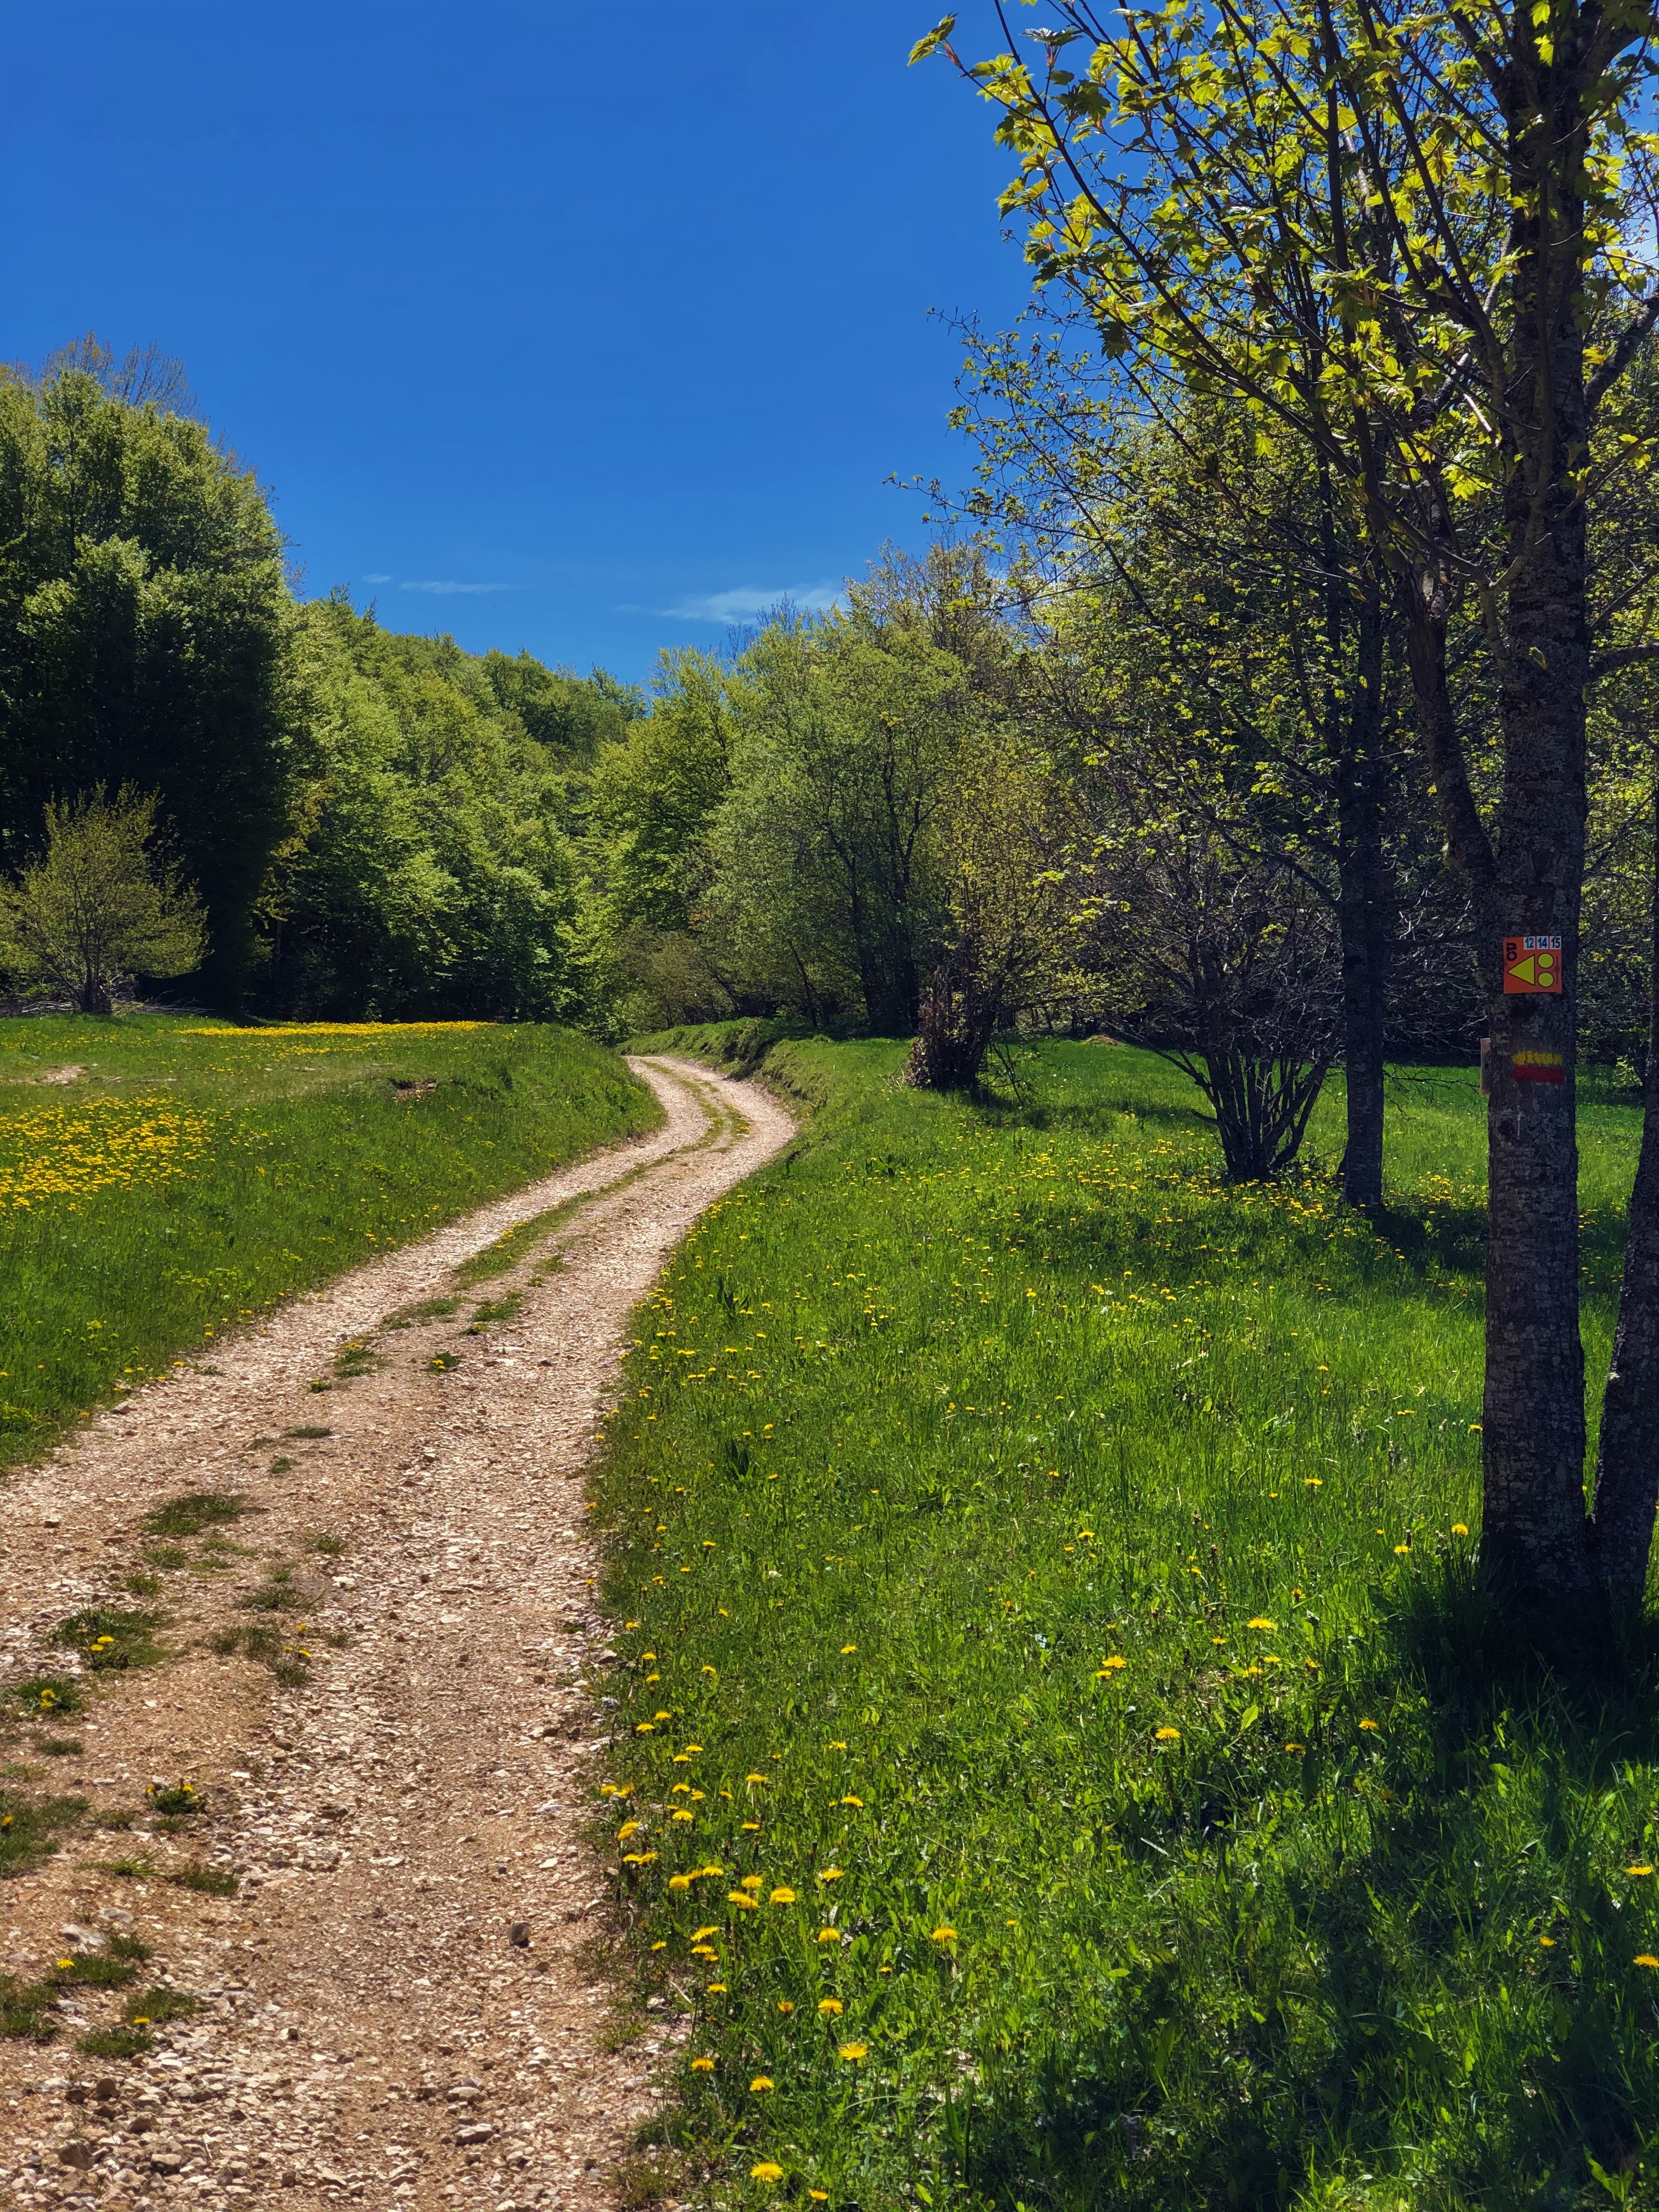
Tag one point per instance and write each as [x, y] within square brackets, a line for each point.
[1627, 1462]
[1536, 1528]
[1363, 913]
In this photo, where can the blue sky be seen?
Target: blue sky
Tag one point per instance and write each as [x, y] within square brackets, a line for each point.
[580, 329]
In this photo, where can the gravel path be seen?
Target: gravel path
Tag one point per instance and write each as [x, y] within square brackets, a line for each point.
[401, 2003]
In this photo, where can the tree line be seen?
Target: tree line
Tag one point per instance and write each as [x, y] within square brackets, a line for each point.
[370, 824]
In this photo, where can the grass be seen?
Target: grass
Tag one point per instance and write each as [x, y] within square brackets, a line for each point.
[112, 1639]
[195, 1173]
[1065, 1758]
[29, 1829]
[194, 1510]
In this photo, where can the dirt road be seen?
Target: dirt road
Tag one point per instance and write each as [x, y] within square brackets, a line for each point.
[397, 2005]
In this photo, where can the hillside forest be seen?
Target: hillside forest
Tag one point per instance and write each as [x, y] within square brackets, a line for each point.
[1078, 767]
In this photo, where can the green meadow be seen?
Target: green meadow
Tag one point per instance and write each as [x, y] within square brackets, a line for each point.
[189, 1173]
[1064, 1755]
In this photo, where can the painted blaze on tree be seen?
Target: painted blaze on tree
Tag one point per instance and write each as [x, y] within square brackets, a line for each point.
[1414, 242]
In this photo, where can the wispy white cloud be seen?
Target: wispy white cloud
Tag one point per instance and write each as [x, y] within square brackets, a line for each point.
[445, 585]
[377, 576]
[744, 601]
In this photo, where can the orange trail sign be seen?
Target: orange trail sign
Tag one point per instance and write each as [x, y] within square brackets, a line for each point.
[1531, 963]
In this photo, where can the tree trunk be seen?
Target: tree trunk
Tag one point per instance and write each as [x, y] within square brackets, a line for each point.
[1363, 913]
[1628, 1463]
[1535, 1534]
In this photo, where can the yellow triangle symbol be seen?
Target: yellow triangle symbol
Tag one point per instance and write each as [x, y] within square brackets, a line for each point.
[1522, 971]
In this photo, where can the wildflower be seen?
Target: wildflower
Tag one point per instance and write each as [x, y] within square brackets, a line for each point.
[1112, 1666]
[680, 1881]
[714, 1671]
[1639, 1869]
[702, 1934]
[717, 1988]
[702, 2065]
[829, 1873]
[945, 1935]
[782, 1896]
[753, 1881]
[1400, 1550]
[741, 1897]
[1313, 1482]
[628, 1828]
[828, 1935]
[1646, 1959]
[832, 2005]
[1166, 1736]
[1547, 1941]
[847, 1650]
[760, 2082]
[1296, 1747]
[1261, 1622]
[768, 2170]
[679, 1813]
[64, 1965]
[638, 1858]
[853, 2051]
[1460, 1528]
[858, 1801]
[835, 1745]
[1371, 1725]
[819, 2195]
[785, 2004]
[754, 1778]
[751, 1827]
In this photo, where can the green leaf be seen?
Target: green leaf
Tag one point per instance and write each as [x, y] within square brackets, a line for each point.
[934, 40]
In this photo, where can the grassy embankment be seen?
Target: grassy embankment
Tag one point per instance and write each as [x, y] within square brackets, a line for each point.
[193, 1173]
[1063, 1757]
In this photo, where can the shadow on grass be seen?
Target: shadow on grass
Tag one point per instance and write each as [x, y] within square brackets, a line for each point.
[1416, 1963]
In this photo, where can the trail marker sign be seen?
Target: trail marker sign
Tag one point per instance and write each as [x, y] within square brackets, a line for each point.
[1530, 965]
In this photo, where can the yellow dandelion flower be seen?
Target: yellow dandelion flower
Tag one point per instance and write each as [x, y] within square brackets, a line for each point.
[702, 1934]
[1639, 1869]
[785, 2004]
[847, 1649]
[945, 1935]
[768, 2170]
[702, 2065]
[1166, 1736]
[1261, 1622]
[629, 1828]
[832, 2005]
[782, 1896]
[829, 1873]
[1112, 1666]
[1460, 1528]
[762, 2081]
[741, 1897]
[819, 2195]
[753, 1881]
[1646, 1959]
[1372, 1725]
[828, 1935]
[680, 1881]
[1547, 1941]
[853, 2051]
[858, 1801]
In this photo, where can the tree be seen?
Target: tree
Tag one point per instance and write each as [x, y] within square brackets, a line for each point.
[426, 869]
[144, 628]
[96, 909]
[1005, 943]
[1410, 237]
[1207, 544]
[827, 845]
